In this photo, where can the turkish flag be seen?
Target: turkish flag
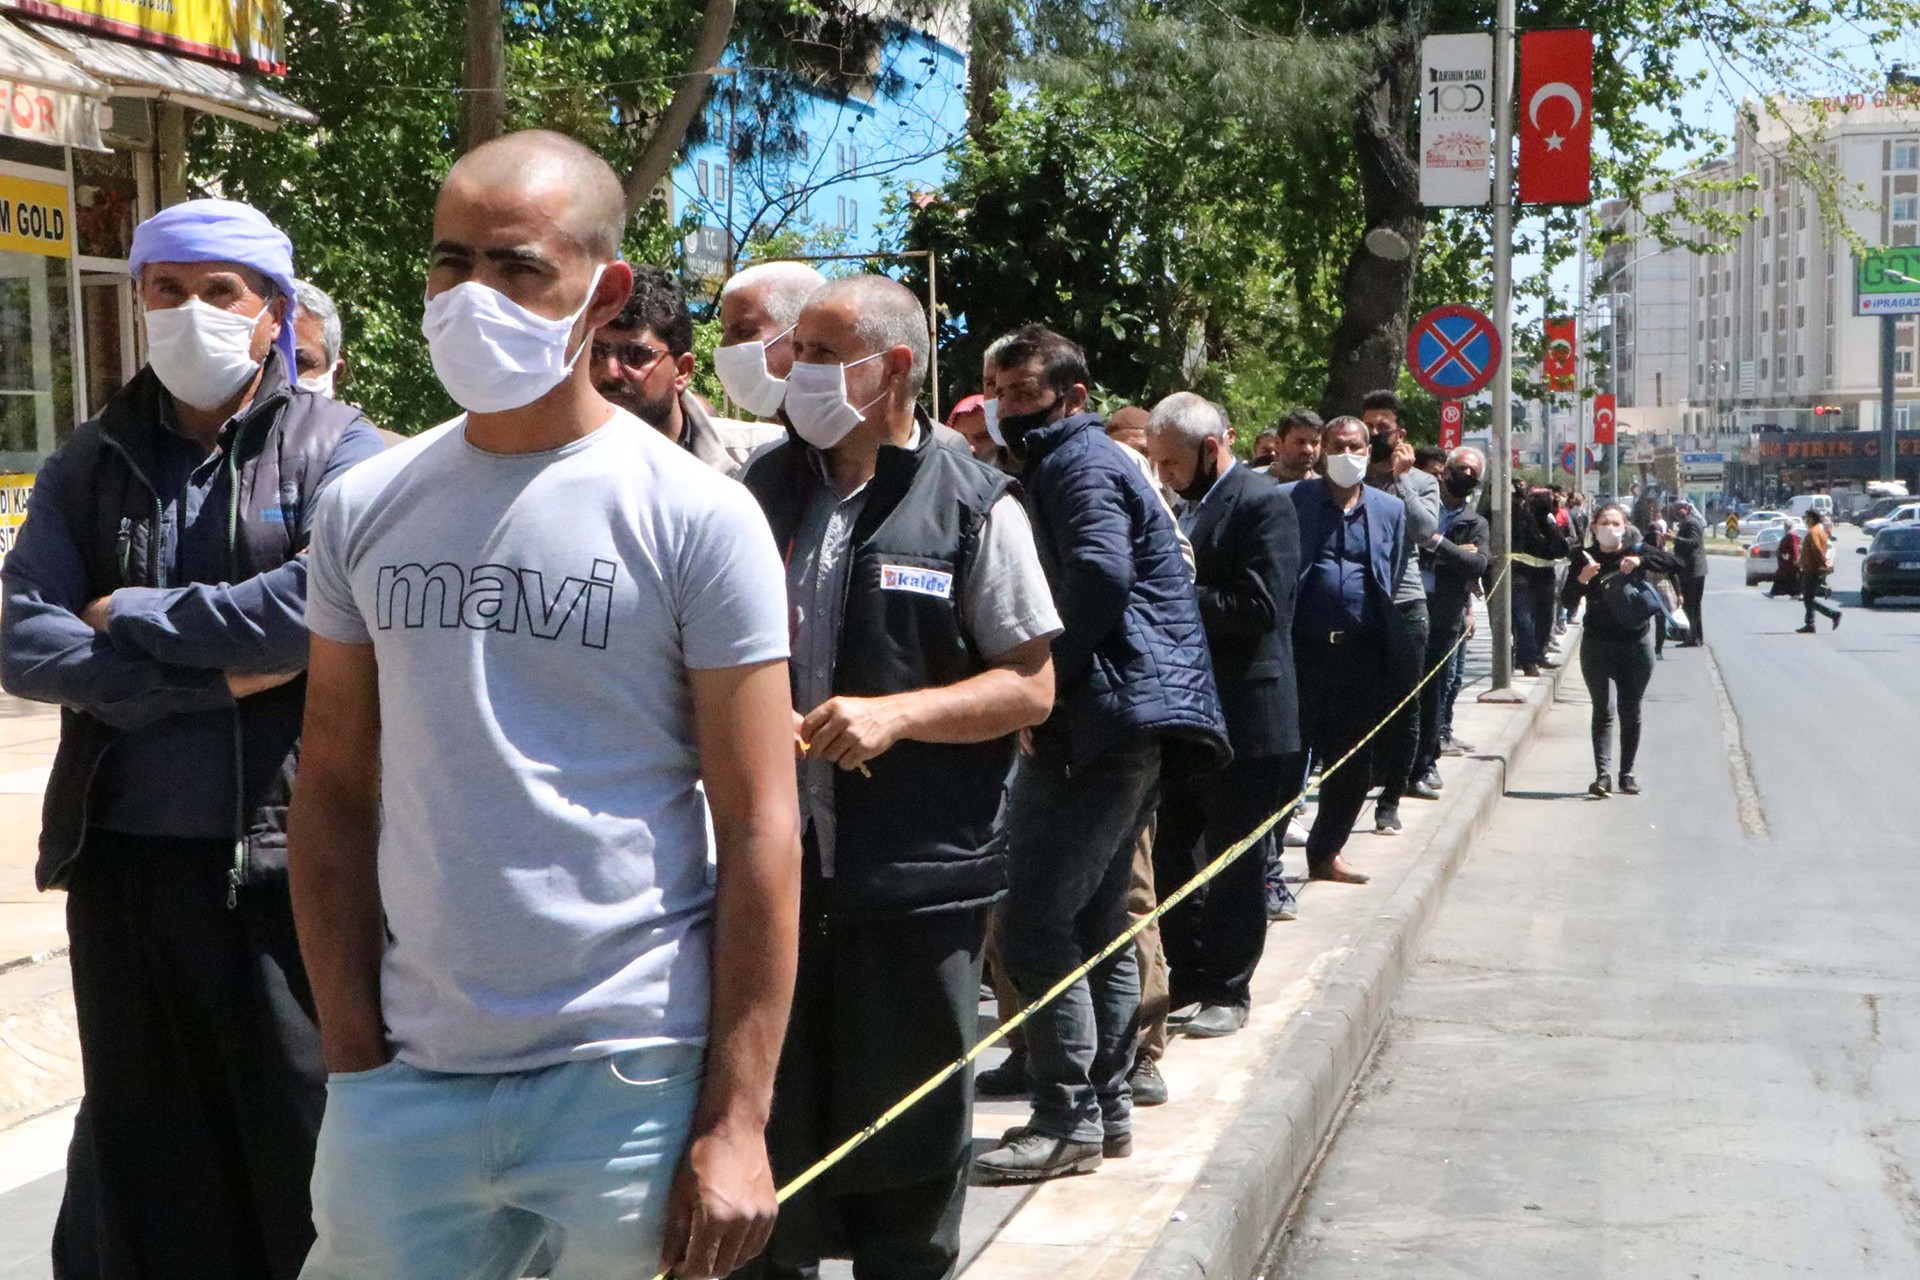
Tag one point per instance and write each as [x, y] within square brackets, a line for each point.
[1604, 413]
[1556, 117]
[1558, 362]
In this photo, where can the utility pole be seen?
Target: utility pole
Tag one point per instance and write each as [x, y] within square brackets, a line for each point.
[1500, 465]
[1889, 442]
[1582, 419]
[483, 104]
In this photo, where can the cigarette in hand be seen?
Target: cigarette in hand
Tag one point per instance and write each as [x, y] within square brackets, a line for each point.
[864, 771]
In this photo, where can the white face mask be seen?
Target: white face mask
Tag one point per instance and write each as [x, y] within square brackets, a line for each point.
[491, 353]
[991, 408]
[742, 369]
[1346, 469]
[817, 403]
[1609, 537]
[201, 353]
[320, 386]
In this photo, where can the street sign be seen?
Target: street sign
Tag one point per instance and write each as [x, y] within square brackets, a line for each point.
[1456, 120]
[1453, 417]
[1886, 282]
[1453, 351]
[1566, 458]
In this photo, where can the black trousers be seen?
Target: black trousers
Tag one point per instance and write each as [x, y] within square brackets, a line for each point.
[879, 1006]
[1340, 688]
[193, 1148]
[1626, 666]
[1400, 740]
[1810, 585]
[1693, 590]
[1442, 636]
[1214, 939]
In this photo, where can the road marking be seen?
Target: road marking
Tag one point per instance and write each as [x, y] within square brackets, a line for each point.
[31, 1151]
[1746, 792]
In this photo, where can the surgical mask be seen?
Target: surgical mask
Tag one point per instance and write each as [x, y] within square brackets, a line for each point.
[1609, 537]
[491, 353]
[817, 404]
[991, 408]
[320, 386]
[201, 353]
[1346, 469]
[742, 369]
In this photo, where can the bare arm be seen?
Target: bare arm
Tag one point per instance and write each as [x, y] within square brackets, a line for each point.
[1014, 693]
[721, 1208]
[333, 837]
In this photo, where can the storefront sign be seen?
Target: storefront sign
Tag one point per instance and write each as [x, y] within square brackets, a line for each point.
[50, 116]
[1797, 445]
[242, 33]
[15, 489]
[34, 217]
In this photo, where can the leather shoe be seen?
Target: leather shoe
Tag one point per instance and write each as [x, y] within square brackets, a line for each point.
[1216, 1020]
[1423, 789]
[1026, 1156]
[1008, 1080]
[1148, 1085]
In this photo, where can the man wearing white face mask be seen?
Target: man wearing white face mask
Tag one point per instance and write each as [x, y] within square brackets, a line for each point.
[921, 621]
[758, 308]
[157, 593]
[554, 919]
[318, 346]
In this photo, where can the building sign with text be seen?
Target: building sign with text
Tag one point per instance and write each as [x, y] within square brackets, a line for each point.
[250, 34]
[1798, 446]
[35, 217]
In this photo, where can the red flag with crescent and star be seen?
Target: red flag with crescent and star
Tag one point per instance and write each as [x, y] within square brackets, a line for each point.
[1556, 117]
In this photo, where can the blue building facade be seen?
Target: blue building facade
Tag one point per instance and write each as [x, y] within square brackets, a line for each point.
[824, 177]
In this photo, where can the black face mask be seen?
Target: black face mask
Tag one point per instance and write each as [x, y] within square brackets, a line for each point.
[1014, 427]
[1461, 484]
[1205, 472]
[1382, 447]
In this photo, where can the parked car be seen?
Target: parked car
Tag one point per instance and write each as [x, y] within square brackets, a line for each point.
[1754, 522]
[1763, 554]
[1880, 509]
[1892, 566]
[1904, 514]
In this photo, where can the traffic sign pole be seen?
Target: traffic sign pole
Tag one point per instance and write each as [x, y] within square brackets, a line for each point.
[1500, 465]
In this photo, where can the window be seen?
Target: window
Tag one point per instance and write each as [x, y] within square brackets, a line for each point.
[853, 207]
[1766, 177]
[1799, 317]
[1799, 366]
[1829, 363]
[1799, 268]
[1904, 208]
[1906, 155]
[1780, 271]
[1763, 275]
[1700, 287]
[1763, 322]
[1700, 330]
[1800, 218]
[1779, 366]
[1766, 226]
[1903, 360]
[1780, 318]
[700, 176]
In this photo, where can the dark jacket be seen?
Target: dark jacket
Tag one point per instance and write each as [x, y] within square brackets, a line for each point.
[1601, 624]
[1456, 572]
[919, 834]
[1690, 546]
[1386, 518]
[1246, 550]
[1537, 536]
[1132, 662]
[93, 527]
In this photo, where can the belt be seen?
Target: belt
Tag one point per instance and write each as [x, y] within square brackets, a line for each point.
[1348, 636]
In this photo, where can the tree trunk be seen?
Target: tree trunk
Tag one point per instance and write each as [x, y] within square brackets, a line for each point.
[483, 107]
[689, 95]
[989, 37]
[1371, 340]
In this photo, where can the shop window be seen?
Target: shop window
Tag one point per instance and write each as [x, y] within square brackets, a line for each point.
[105, 202]
[36, 358]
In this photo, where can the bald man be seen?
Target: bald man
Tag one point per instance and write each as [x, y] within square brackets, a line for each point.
[922, 622]
[567, 636]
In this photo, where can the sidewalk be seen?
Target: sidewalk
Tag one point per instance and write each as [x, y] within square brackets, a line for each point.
[30, 922]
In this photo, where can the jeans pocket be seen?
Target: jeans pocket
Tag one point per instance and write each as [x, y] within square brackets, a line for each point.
[358, 1077]
[661, 1068]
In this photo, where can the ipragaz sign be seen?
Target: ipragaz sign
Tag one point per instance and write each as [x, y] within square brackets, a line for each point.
[1886, 282]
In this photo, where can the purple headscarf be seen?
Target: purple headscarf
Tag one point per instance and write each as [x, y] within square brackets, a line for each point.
[221, 231]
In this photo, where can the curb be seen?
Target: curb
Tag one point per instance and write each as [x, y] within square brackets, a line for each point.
[1247, 1187]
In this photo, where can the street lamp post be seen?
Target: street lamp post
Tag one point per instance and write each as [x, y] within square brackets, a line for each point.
[1888, 441]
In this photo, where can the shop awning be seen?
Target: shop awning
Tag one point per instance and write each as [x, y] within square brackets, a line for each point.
[148, 73]
[45, 96]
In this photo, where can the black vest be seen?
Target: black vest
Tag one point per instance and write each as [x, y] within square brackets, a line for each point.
[920, 834]
[278, 451]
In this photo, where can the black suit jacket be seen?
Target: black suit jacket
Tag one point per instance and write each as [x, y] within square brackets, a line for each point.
[1246, 553]
[1457, 572]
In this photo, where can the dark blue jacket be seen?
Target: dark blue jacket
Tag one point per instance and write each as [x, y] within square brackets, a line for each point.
[1386, 518]
[1132, 662]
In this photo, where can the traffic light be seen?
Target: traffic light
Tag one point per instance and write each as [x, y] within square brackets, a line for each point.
[1822, 410]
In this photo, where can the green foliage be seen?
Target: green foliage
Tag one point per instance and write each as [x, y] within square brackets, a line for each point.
[356, 193]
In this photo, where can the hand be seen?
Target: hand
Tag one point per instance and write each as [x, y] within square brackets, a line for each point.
[245, 686]
[1590, 571]
[722, 1206]
[362, 1055]
[95, 614]
[1469, 548]
[850, 731]
[1026, 742]
[1402, 458]
[1629, 563]
[799, 736]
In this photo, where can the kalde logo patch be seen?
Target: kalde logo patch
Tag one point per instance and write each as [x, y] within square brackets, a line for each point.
[923, 582]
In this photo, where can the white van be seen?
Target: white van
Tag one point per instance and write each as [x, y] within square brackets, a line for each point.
[1805, 502]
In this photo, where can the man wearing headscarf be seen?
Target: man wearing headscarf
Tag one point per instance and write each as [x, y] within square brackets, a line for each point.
[157, 593]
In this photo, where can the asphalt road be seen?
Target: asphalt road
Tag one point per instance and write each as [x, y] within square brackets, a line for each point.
[1676, 1035]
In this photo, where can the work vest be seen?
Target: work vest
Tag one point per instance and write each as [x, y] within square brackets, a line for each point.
[919, 835]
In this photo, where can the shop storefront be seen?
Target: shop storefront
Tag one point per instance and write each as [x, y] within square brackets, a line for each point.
[96, 98]
[1783, 463]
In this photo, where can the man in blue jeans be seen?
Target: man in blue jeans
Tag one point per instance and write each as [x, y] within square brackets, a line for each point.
[551, 924]
[1135, 696]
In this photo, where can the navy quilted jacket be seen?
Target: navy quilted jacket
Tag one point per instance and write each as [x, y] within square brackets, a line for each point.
[1133, 659]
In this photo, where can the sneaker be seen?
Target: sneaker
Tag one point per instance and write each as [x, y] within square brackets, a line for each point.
[1532, 670]
[1149, 1086]
[1296, 837]
[1280, 903]
[1804, 631]
[1008, 1080]
[1456, 747]
[1432, 778]
[1628, 787]
[1026, 1156]
[1216, 1020]
[1386, 821]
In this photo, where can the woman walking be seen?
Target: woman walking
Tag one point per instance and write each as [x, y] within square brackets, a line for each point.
[1616, 653]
